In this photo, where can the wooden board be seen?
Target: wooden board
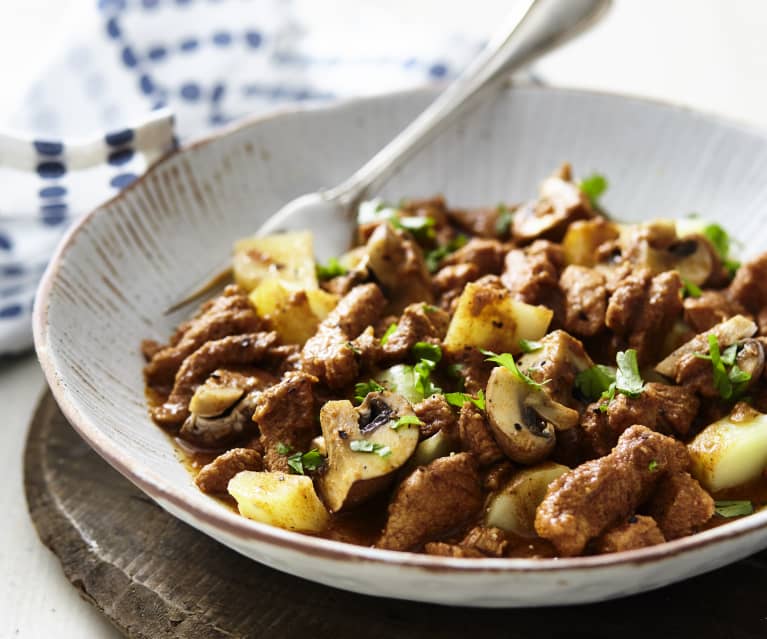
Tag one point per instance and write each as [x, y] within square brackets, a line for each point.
[155, 577]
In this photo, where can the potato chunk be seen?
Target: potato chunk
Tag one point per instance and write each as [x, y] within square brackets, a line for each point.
[277, 499]
[488, 317]
[732, 451]
[286, 257]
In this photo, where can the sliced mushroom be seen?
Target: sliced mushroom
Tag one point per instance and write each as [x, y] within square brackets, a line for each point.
[523, 434]
[398, 265]
[383, 445]
[732, 331]
[750, 359]
[210, 400]
[216, 430]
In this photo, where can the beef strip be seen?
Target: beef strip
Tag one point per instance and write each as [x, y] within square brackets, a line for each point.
[419, 323]
[639, 531]
[643, 309]
[252, 348]
[663, 408]
[442, 549]
[749, 286]
[230, 314]
[436, 415]
[449, 282]
[479, 542]
[532, 274]
[285, 414]
[710, 309]
[680, 505]
[583, 503]
[214, 477]
[472, 366]
[476, 437]
[486, 255]
[585, 300]
[329, 354]
[433, 501]
[480, 222]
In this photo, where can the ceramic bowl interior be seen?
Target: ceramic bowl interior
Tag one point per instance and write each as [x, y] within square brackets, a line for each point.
[119, 268]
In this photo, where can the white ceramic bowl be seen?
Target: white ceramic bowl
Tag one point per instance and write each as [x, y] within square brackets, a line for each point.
[122, 265]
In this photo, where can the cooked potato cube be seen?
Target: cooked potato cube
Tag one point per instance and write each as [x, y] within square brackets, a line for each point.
[294, 314]
[584, 237]
[287, 257]
[487, 317]
[277, 499]
[513, 507]
[732, 451]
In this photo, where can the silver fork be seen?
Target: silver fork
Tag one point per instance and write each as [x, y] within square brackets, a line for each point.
[531, 30]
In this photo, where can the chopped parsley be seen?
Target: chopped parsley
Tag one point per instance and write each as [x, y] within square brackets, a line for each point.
[367, 446]
[729, 384]
[507, 361]
[721, 241]
[332, 269]
[735, 508]
[595, 381]
[628, 380]
[434, 257]
[652, 466]
[425, 350]
[385, 337]
[459, 399]
[361, 389]
[283, 449]
[406, 420]
[529, 346]
[299, 462]
[422, 228]
[503, 222]
[690, 289]
[593, 187]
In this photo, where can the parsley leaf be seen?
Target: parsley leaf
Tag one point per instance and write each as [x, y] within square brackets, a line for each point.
[385, 337]
[459, 399]
[422, 228]
[595, 381]
[503, 222]
[434, 257]
[720, 239]
[425, 350]
[733, 508]
[423, 382]
[690, 289]
[361, 389]
[507, 361]
[309, 461]
[722, 381]
[593, 186]
[628, 380]
[529, 345]
[406, 420]
[367, 446]
[652, 466]
[332, 269]
[283, 449]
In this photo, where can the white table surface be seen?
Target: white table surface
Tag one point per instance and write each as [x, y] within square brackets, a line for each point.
[710, 54]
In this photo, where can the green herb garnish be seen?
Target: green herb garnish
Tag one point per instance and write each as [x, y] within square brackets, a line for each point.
[299, 463]
[332, 269]
[406, 420]
[283, 449]
[595, 381]
[733, 508]
[593, 187]
[367, 446]
[503, 222]
[423, 382]
[627, 379]
[730, 384]
[361, 389]
[507, 361]
[459, 399]
[385, 337]
[690, 289]
[422, 228]
[426, 350]
[529, 346]
[652, 466]
[720, 239]
[434, 257]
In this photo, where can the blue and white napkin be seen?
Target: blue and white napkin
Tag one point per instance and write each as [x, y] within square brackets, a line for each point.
[143, 75]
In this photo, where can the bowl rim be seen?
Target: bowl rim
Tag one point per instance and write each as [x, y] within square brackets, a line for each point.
[213, 515]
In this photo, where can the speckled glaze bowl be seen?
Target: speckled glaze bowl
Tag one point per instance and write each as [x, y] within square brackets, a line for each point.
[111, 278]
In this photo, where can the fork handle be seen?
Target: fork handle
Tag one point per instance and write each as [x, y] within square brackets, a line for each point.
[534, 28]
